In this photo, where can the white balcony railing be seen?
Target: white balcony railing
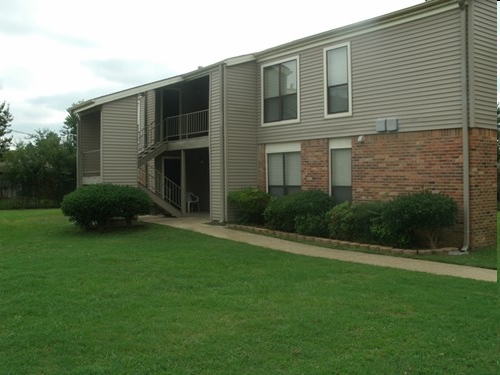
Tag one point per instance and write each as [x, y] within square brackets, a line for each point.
[189, 125]
[186, 126]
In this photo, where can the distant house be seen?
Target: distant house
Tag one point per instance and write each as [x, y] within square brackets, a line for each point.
[391, 105]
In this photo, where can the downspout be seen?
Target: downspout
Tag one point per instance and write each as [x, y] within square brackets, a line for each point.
[465, 123]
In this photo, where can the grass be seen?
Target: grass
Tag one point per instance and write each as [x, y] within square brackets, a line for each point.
[158, 300]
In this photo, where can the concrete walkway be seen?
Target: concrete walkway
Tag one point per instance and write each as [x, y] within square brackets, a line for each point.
[200, 224]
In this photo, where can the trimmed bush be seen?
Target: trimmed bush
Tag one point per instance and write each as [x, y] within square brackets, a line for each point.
[355, 222]
[250, 204]
[312, 225]
[281, 213]
[366, 215]
[426, 213]
[341, 222]
[92, 206]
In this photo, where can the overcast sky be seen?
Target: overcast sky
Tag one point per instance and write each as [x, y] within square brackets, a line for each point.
[57, 52]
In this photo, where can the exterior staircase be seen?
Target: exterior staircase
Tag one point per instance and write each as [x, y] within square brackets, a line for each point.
[163, 191]
[154, 139]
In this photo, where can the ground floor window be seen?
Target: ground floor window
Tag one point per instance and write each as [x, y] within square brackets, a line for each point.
[341, 175]
[283, 173]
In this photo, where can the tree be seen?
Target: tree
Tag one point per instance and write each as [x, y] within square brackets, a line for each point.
[68, 132]
[45, 166]
[5, 121]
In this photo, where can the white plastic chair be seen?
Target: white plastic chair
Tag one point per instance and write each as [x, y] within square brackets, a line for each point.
[191, 200]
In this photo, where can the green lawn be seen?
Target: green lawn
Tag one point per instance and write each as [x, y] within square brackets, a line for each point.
[158, 300]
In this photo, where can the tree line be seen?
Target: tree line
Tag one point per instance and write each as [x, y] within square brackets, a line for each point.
[43, 167]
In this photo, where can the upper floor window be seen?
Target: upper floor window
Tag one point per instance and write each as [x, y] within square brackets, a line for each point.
[338, 81]
[280, 90]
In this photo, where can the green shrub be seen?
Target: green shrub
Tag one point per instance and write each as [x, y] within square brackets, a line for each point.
[366, 215]
[425, 212]
[280, 214]
[250, 204]
[93, 206]
[341, 222]
[312, 225]
[355, 222]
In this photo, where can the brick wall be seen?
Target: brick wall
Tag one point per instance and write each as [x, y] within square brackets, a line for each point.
[386, 165]
[262, 168]
[483, 187]
[315, 165]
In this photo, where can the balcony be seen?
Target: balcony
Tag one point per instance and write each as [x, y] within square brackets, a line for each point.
[174, 128]
[186, 126]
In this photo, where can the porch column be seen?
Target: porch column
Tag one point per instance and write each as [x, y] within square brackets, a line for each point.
[183, 182]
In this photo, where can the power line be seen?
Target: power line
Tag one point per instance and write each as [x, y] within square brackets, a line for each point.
[20, 132]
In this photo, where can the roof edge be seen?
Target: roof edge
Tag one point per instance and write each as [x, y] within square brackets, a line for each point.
[357, 27]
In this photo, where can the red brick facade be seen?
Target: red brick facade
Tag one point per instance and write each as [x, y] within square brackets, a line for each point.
[386, 165]
[262, 168]
[314, 158]
[483, 187]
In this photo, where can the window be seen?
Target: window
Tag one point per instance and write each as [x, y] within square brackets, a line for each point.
[280, 91]
[341, 175]
[338, 88]
[284, 173]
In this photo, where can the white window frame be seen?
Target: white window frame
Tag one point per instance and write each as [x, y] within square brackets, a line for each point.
[325, 80]
[277, 62]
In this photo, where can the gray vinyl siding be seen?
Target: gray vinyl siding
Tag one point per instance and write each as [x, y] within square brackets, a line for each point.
[241, 128]
[216, 144]
[411, 71]
[119, 141]
[483, 63]
[241, 107]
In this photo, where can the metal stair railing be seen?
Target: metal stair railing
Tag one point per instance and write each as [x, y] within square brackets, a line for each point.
[146, 139]
[161, 186]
